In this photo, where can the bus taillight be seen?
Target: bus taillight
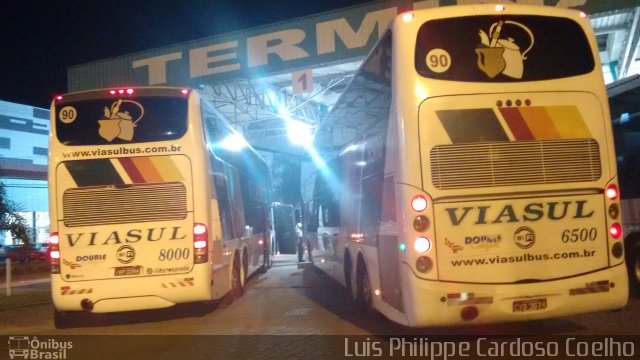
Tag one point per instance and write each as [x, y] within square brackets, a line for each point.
[421, 223]
[612, 192]
[422, 244]
[615, 231]
[424, 264]
[200, 241]
[54, 253]
[419, 203]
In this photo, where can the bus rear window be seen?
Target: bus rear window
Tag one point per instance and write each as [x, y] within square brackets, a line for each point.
[507, 48]
[121, 120]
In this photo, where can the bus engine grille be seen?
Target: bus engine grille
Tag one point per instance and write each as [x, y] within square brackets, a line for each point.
[477, 165]
[124, 204]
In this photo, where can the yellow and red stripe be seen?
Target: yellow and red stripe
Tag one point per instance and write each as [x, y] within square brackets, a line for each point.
[524, 123]
[117, 171]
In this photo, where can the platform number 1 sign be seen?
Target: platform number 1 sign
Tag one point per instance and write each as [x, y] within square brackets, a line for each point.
[302, 81]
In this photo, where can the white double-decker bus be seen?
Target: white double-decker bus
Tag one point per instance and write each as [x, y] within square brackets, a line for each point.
[154, 200]
[468, 174]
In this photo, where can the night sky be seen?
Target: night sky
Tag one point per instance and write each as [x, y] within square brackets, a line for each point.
[40, 39]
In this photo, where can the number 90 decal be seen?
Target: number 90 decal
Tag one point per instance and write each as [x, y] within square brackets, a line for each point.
[67, 114]
[438, 60]
[174, 254]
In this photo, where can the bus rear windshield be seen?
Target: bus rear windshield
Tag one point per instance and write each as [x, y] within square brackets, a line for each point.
[121, 120]
[507, 48]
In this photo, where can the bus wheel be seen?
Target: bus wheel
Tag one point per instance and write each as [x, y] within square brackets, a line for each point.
[364, 292]
[245, 268]
[347, 274]
[633, 264]
[63, 320]
[237, 283]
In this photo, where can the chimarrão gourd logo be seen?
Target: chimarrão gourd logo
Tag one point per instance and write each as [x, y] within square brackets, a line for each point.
[118, 120]
[502, 55]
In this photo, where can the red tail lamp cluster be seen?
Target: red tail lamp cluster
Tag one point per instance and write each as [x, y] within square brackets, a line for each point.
[613, 193]
[200, 243]
[422, 244]
[54, 253]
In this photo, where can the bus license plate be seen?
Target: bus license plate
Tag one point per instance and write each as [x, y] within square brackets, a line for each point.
[128, 270]
[529, 305]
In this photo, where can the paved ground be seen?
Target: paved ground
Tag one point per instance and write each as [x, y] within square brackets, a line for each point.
[297, 301]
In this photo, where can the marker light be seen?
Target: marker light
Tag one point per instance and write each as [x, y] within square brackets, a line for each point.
[407, 17]
[583, 14]
[184, 91]
[500, 7]
[403, 246]
[612, 192]
[128, 91]
[615, 230]
[419, 203]
[422, 245]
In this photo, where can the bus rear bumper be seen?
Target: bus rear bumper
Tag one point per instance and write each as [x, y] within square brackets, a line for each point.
[130, 304]
[116, 295]
[445, 304]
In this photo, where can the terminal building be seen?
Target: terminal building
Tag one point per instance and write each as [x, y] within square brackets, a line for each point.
[302, 64]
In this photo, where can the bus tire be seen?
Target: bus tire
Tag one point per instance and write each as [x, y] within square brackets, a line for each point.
[237, 290]
[245, 268]
[63, 319]
[364, 292]
[633, 265]
[237, 282]
[348, 269]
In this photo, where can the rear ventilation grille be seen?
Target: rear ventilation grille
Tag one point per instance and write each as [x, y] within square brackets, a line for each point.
[459, 166]
[128, 204]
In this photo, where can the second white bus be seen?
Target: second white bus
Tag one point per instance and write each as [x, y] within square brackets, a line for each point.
[154, 200]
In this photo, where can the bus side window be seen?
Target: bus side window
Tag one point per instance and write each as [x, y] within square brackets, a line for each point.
[254, 205]
[210, 120]
[235, 198]
[224, 204]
